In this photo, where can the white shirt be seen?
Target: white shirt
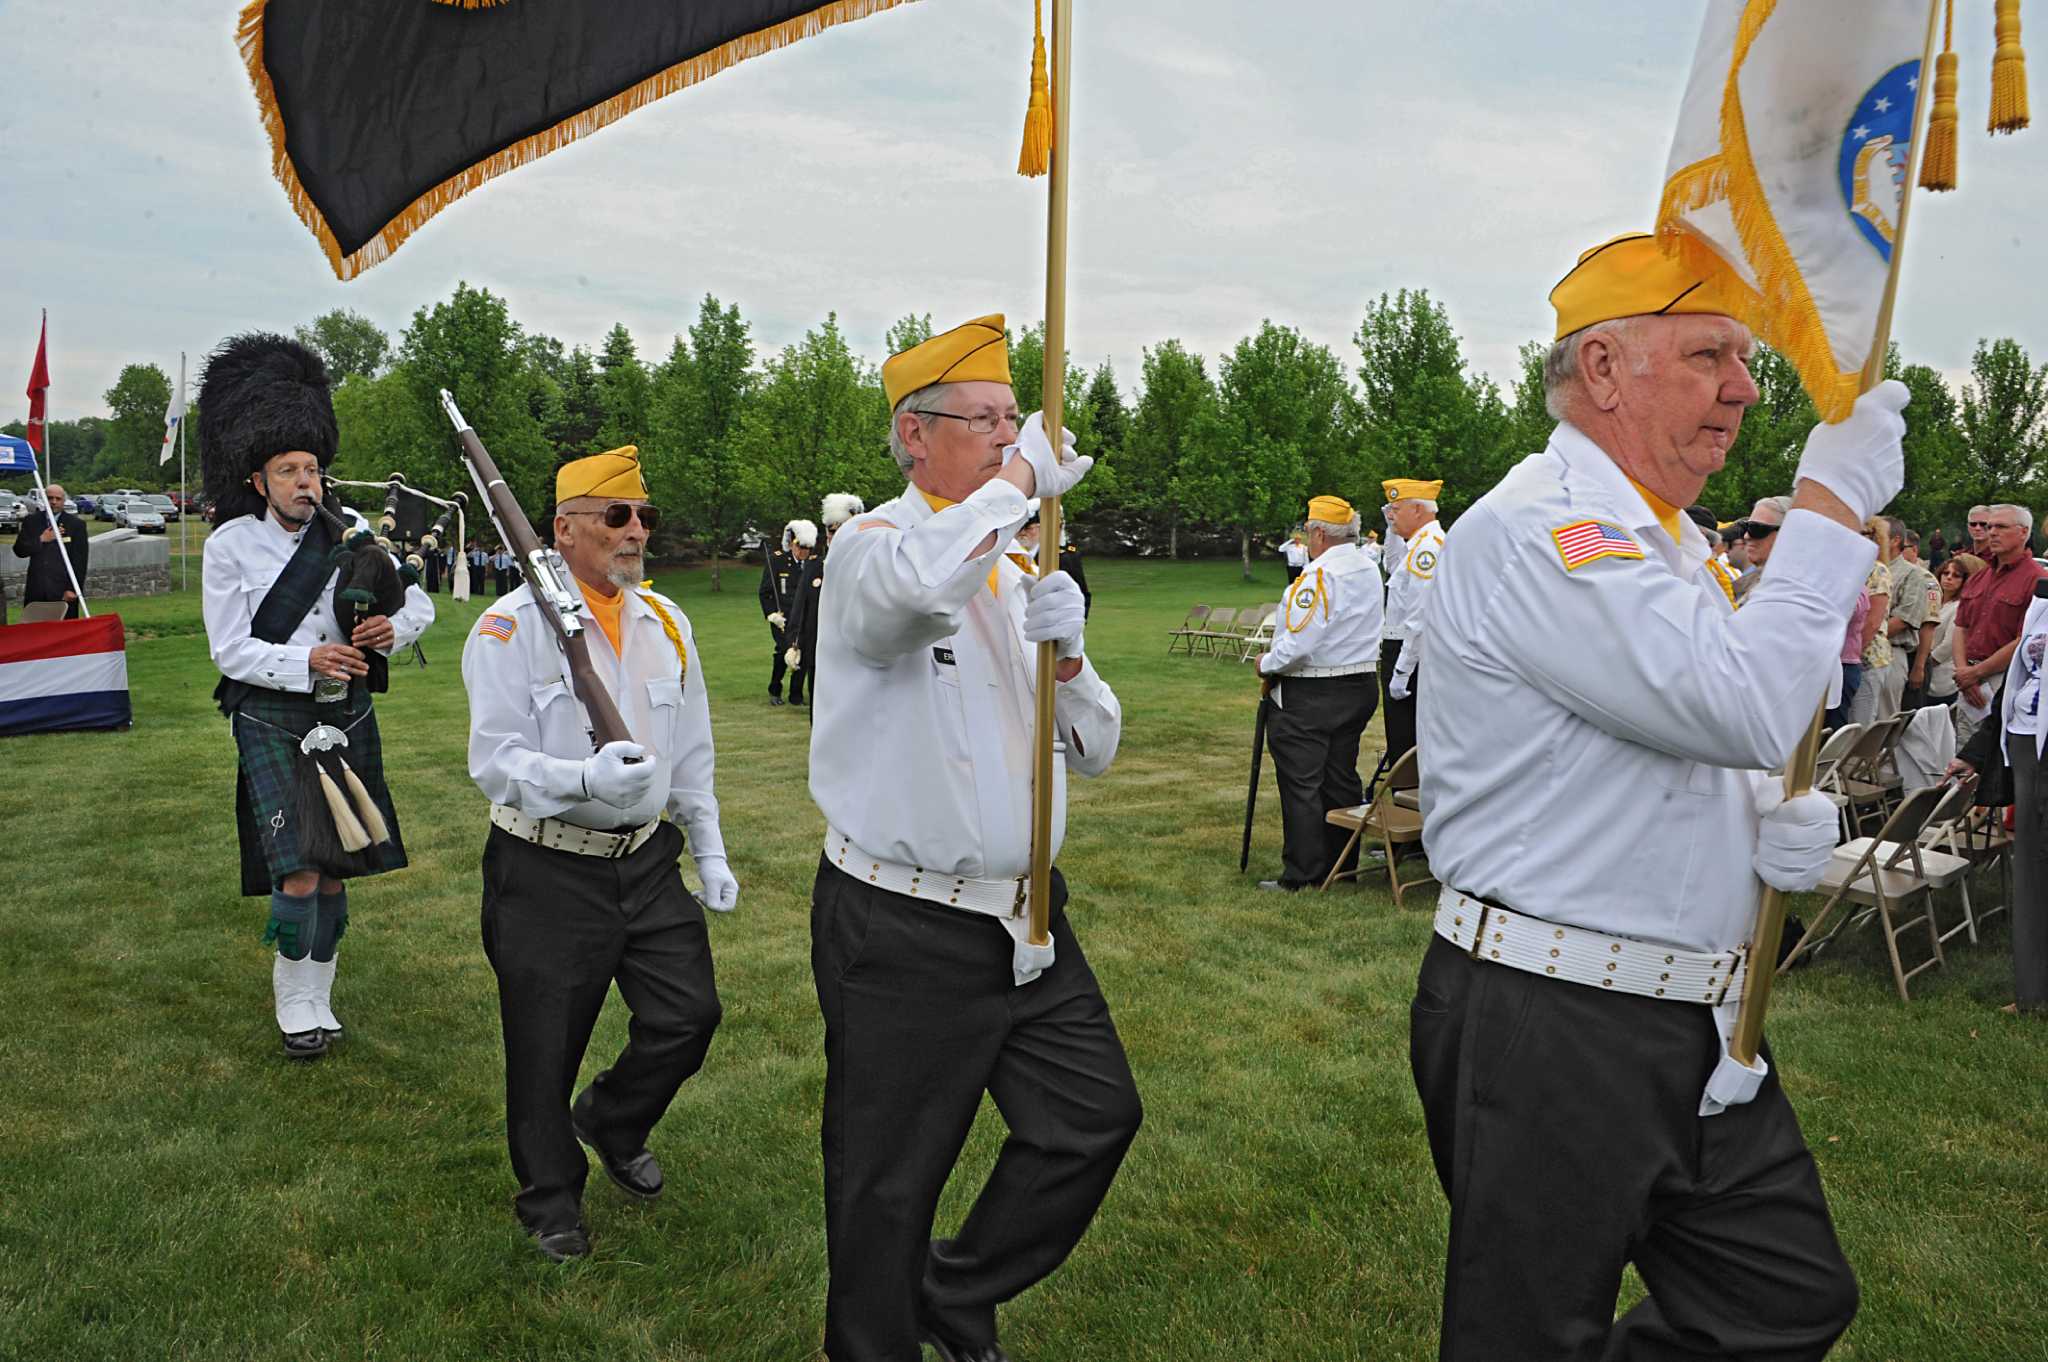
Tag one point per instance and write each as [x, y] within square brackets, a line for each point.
[1592, 736]
[921, 750]
[529, 736]
[1296, 554]
[241, 562]
[1408, 582]
[2021, 713]
[1330, 616]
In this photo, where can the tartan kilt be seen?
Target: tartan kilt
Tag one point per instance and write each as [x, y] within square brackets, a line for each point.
[267, 726]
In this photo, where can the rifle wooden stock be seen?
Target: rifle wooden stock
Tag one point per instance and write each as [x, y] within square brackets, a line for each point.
[606, 724]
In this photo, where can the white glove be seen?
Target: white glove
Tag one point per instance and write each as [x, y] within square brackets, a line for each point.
[721, 890]
[793, 657]
[776, 620]
[1796, 838]
[1861, 459]
[619, 774]
[1055, 476]
[1055, 613]
[1398, 684]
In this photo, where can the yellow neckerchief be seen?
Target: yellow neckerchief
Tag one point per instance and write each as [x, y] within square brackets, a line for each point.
[1725, 579]
[1322, 598]
[1667, 514]
[606, 612]
[938, 503]
[668, 626]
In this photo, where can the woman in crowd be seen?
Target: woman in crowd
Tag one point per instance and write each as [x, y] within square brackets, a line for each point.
[1852, 659]
[1870, 702]
[1941, 663]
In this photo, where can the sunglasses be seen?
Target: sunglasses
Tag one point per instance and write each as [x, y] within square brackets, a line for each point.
[618, 513]
[1752, 529]
[1981, 525]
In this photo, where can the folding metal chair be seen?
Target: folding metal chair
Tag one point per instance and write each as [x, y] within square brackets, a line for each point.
[1386, 819]
[1865, 873]
[1197, 620]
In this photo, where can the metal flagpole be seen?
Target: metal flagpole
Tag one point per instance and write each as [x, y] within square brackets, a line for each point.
[1770, 917]
[1054, 408]
[184, 492]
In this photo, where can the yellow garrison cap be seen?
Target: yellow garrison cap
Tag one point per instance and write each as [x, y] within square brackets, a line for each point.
[1405, 489]
[1330, 510]
[614, 473]
[974, 353]
[1628, 277]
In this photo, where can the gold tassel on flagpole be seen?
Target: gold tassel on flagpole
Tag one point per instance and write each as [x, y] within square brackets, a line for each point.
[1036, 158]
[2009, 72]
[1938, 164]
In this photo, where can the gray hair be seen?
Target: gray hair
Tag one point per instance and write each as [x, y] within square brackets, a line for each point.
[1343, 534]
[2019, 513]
[1781, 505]
[923, 400]
[1561, 364]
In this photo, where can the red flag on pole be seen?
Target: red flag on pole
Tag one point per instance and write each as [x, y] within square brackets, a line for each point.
[38, 384]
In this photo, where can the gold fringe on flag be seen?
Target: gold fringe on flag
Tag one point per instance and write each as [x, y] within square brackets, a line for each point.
[693, 71]
[2009, 72]
[472, 4]
[1036, 158]
[1938, 162]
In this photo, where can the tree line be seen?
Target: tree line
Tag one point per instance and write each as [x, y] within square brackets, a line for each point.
[1201, 456]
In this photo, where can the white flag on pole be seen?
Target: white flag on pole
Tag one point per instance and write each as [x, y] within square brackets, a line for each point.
[174, 416]
[1788, 171]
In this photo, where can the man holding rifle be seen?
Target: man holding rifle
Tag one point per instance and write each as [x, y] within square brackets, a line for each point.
[581, 885]
[1597, 724]
[931, 990]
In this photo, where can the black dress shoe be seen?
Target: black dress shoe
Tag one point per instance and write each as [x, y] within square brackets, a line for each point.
[775, 700]
[559, 1246]
[965, 1352]
[1279, 887]
[637, 1175]
[305, 1044]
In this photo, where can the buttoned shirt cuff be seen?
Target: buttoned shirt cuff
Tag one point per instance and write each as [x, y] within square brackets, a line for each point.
[287, 669]
[1815, 553]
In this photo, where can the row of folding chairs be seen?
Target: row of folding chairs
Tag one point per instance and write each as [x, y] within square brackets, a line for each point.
[1228, 631]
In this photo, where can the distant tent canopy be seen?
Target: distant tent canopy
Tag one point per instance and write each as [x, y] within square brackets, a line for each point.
[383, 112]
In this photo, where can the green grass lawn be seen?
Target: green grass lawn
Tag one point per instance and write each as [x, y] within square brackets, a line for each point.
[171, 1186]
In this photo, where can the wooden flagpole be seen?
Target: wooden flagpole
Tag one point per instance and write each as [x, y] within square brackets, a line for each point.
[1770, 918]
[1053, 405]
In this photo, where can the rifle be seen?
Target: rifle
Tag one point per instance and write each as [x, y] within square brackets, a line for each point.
[548, 575]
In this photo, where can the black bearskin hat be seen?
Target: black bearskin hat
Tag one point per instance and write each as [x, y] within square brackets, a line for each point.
[260, 395]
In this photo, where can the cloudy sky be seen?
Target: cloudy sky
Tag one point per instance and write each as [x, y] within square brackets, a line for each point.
[1233, 161]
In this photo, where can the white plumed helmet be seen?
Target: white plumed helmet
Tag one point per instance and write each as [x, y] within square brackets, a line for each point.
[799, 532]
[841, 507]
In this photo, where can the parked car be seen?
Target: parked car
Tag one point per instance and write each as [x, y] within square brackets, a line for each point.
[107, 506]
[165, 507]
[139, 516]
[84, 505]
[12, 510]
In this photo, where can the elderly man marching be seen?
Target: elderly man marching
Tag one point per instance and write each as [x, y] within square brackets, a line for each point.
[1597, 724]
[1411, 516]
[1320, 683]
[930, 989]
[301, 643]
[581, 886]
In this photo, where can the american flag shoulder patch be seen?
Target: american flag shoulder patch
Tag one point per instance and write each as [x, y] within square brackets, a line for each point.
[499, 627]
[1583, 541]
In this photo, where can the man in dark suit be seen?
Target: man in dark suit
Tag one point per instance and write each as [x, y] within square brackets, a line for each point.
[45, 539]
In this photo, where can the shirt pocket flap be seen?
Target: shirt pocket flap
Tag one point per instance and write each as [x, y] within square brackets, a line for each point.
[547, 693]
[665, 693]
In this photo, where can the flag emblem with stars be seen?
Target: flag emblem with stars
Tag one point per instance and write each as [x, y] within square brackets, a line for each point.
[499, 627]
[1583, 541]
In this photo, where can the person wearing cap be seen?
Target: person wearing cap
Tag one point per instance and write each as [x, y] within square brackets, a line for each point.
[931, 990]
[295, 679]
[1319, 681]
[580, 869]
[1411, 515]
[802, 629]
[780, 577]
[1716, 570]
[1597, 724]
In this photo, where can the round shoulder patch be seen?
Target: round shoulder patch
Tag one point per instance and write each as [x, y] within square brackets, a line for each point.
[1425, 560]
[1305, 597]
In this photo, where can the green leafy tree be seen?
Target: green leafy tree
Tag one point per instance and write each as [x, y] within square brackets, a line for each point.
[1421, 415]
[1175, 394]
[1934, 492]
[818, 423]
[1765, 455]
[624, 391]
[695, 464]
[1280, 400]
[351, 343]
[1528, 422]
[1027, 380]
[908, 331]
[574, 419]
[2003, 435]
[135, 435]
[1107, 414]
[470, 345]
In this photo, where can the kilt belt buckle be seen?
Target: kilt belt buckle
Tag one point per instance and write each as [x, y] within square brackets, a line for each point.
[1580, 955]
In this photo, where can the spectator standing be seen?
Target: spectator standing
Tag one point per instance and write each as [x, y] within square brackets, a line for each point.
[1941, 667]
[1757, 537]
[1937, 551]
[1852, 661]
[1979, 528]
[1993, 605]
[46, 537]
[1916, 600]
[1872, 700]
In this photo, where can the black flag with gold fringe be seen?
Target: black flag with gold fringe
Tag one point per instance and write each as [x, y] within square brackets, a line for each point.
[383, 112]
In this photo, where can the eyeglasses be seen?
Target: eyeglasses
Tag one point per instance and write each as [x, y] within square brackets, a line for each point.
[619, 512]
[982, 422]
[1754, 529]
[1980, 524]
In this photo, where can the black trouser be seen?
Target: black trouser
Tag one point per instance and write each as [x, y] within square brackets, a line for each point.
[776, 673]
[1399, 715]
[922, 1016]
[1313, 736]
[2029, 873]
[558, 929]
[1564, 1121]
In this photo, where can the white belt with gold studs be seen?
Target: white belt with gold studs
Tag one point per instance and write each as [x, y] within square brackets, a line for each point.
[992, 898]
[1501, 936]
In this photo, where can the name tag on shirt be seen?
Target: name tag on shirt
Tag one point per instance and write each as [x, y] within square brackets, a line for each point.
[943, 656]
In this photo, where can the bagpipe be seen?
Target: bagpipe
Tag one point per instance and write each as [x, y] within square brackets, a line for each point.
[402, 532]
